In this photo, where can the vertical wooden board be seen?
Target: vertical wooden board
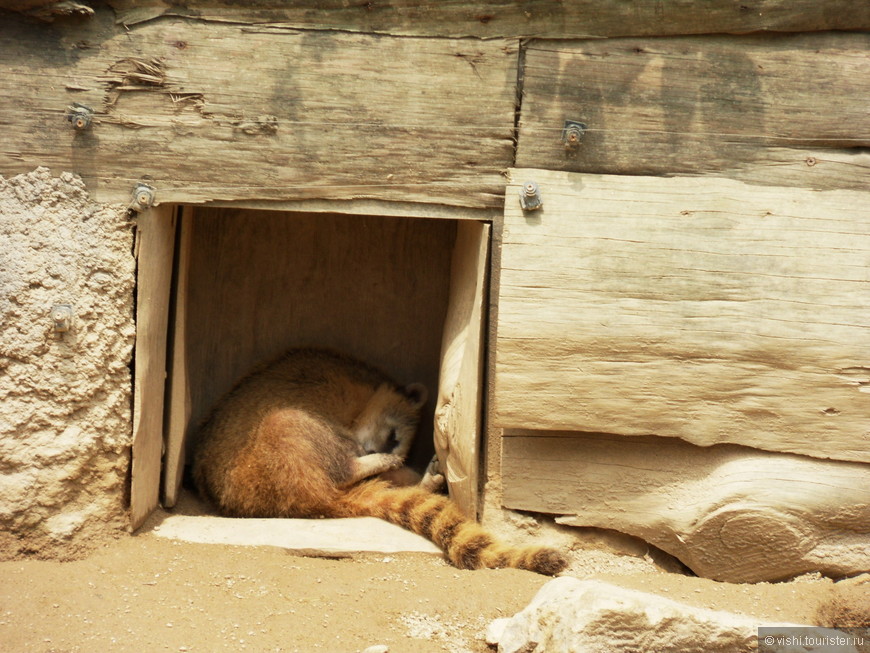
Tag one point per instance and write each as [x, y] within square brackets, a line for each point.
[261, 282]
[704, 309]
[179, 394]
[156, 242]
[778, 109]
[459, 408]
[309, 115]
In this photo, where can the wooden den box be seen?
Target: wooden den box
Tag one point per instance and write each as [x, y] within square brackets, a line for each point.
[405, 294]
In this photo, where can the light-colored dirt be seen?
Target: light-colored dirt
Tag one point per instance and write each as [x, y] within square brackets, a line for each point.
[147, 593]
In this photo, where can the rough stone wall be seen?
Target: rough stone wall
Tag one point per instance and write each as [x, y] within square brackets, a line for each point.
[65, 399]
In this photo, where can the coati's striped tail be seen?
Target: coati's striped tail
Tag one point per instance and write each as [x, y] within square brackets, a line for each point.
[435, 517]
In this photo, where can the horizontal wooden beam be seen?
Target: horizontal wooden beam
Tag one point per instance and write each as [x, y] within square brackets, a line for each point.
[730, 513]
[219, 111]
[704, 309]
[780, 110]
[529, 18]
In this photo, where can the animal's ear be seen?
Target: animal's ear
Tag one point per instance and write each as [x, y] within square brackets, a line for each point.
[417, 393]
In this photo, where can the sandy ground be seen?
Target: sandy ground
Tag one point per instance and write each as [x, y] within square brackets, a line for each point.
[149, 593]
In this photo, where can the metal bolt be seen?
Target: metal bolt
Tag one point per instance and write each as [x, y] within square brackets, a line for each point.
[530, 197]
[143, 197]
[572, 134]
[61, 315]
[80, 116]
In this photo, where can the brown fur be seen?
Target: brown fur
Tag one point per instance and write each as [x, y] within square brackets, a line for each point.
[308, 436]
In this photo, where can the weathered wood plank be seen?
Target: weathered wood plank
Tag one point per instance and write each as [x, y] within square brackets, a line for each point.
[23, 5]
[156, 243]
[178, 395]
[699, 308]
[529, 18]
[728, 512]
[776, 110]
[48, 11]
[459, 406]
[308, 114]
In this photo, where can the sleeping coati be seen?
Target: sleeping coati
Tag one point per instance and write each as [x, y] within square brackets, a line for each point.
[317, 434]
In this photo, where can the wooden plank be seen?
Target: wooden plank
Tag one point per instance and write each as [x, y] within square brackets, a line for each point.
[728, 512]
[178, 396]
[530, 18]
[156, 242]
[459, 408]
[311, 115]
[261, 282]
[490, 499]
[48, 10]
[23, 5]
[704, 309]
[748, 107]
[372, 207]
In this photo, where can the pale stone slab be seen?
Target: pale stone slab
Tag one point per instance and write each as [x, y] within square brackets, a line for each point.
[326, 536]
[568, 614]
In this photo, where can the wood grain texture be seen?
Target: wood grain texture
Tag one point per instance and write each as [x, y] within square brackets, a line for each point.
[262, 282]
[459, 406]
[24, 5]
[529, 18]
[178, 395]
[48, 11]
[699, 308]
[728, 512]
[778, 109]
[233, 112]
[156, 243]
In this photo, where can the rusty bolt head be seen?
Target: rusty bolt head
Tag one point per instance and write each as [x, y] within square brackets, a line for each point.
[143, 197]
[572, 134]
[530, 196]
[80, 116]
[61, 316]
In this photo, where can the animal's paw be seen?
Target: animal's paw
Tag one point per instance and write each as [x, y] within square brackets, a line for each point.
[433, 480]
[390, 461]
[373, 464]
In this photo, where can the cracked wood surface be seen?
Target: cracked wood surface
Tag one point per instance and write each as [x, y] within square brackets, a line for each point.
[699, 308]
[728, 512]
[459, 403]
[210, 111]
[496, 18]
[529, 18]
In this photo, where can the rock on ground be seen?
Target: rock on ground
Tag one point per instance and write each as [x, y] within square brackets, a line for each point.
[568, 614]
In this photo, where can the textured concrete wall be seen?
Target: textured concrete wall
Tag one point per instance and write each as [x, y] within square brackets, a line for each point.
[65, 399]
